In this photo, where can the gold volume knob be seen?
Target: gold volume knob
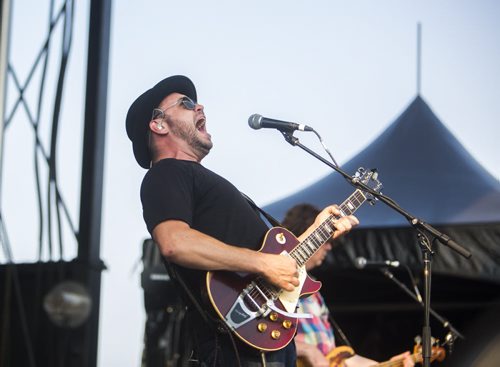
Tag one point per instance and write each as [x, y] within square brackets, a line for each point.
[273, 316]
[275, 334]
[262, 326]
[287, 324]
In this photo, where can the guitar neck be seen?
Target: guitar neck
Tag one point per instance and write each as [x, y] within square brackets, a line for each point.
[320, 235]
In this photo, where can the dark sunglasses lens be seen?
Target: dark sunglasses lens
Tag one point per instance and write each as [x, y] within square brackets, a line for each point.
[188, 103]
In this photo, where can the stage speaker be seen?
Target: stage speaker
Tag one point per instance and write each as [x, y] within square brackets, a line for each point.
[166, 341]
[160, 292]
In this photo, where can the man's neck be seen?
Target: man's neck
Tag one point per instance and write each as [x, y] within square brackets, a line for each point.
[181, 154]
[177, 149]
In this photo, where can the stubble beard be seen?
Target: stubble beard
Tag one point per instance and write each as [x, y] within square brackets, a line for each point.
[188, 132]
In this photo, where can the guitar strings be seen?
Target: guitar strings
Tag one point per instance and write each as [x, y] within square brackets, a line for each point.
[263, 291]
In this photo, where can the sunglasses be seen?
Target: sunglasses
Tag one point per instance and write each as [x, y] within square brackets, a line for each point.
[185, 101]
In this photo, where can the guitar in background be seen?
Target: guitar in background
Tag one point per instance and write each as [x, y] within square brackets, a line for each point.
[338, 356]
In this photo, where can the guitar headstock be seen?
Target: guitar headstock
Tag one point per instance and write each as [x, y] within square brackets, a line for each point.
[437, 352]
[370, 179]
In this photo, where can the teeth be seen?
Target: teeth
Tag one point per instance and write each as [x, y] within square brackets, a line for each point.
[200, 124]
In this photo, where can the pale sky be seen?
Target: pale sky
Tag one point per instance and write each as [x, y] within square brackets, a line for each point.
[346, 68]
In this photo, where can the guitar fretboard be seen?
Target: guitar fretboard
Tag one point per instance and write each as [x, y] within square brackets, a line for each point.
[325, 230]
[307, 248]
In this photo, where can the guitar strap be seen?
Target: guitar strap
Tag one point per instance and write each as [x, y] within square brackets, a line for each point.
[268, 216]
[172, 271]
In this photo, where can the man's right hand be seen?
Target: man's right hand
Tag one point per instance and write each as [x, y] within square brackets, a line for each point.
[280, 270]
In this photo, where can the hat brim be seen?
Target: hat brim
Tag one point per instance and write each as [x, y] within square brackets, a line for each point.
[139, 113]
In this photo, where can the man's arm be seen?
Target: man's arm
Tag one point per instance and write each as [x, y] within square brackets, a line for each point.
[190, 248]
[359, 361]
[311, 354]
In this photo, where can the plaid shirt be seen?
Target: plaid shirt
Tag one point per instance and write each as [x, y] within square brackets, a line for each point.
[317, 330]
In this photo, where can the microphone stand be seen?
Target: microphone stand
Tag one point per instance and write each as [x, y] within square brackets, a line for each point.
[444, 322]
[417, 223]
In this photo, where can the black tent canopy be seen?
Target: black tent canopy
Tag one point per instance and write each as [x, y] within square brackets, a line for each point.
[423, 167]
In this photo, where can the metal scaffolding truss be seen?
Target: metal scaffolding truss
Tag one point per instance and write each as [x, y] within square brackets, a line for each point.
[34, 95]
[51, 206]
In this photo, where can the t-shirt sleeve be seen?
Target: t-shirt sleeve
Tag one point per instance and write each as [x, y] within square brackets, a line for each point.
[167, 193]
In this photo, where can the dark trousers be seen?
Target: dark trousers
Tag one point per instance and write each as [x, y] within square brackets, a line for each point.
[220, 352]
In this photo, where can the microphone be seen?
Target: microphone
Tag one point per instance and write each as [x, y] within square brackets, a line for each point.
[257, 122]
[361, 263]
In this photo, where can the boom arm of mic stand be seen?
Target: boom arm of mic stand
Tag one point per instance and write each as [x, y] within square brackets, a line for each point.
[445, 323]
[415, 222]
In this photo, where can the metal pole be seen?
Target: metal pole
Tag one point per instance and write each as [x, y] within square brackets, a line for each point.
[92, 168]
[5, 13]
[419, 58]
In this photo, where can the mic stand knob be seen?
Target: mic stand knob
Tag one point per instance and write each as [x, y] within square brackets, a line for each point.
[288, 135]
[449, 341]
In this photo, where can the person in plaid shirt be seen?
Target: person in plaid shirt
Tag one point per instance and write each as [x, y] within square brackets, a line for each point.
[315, 338]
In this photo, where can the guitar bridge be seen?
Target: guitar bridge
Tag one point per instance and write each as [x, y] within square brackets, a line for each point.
[240, 312]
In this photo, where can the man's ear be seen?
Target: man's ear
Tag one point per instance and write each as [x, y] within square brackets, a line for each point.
[158, 127]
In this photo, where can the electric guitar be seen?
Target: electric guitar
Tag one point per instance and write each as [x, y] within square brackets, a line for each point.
[338, 355]
[260, 314]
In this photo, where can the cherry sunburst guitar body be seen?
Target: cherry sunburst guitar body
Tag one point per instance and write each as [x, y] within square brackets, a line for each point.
[274, 330]
[257, 312]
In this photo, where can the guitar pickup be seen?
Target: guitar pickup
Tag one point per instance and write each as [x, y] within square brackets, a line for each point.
[289, 314]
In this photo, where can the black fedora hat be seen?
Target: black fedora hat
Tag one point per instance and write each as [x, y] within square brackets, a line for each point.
[140, 112]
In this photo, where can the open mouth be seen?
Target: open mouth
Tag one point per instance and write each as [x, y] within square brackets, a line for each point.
[200, 124]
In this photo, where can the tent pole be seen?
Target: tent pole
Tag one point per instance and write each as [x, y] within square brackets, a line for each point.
[419, 57]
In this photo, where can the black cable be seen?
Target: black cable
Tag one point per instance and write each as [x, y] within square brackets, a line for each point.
[338, 329]
[233, 342]
[53, 140]
[67, 40]
[168, 337]
[36, 143]
[178, 320]
[414, 283]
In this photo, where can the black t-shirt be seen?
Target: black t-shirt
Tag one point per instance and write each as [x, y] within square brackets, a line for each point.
[187, 191]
